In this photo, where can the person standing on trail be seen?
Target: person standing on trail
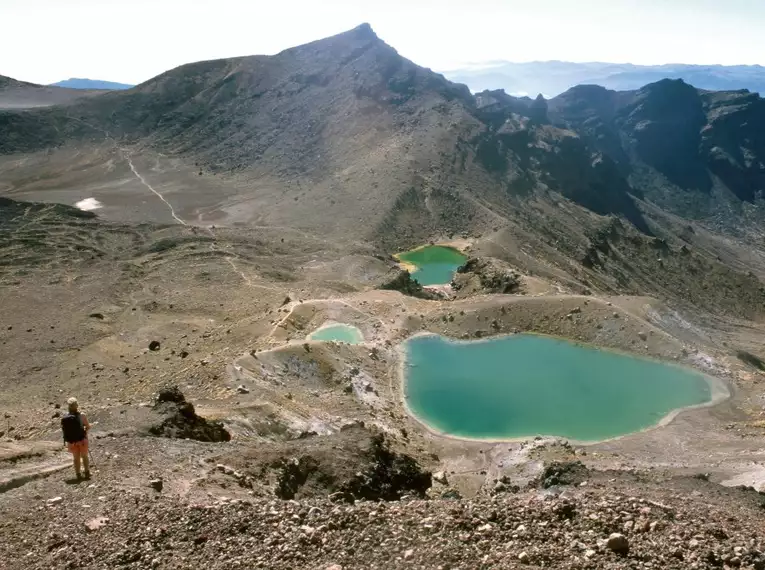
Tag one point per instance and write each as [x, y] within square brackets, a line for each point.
[75, 427]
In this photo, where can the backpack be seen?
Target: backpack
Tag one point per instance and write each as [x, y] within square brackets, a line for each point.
[71, 424]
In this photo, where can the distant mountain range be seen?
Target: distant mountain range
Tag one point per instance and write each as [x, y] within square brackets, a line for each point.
[75, 83]
[552, 78]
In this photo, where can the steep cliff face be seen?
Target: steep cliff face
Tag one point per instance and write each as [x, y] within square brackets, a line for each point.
[662, 126]
[676, 143]
[519, 135]
[733, 141]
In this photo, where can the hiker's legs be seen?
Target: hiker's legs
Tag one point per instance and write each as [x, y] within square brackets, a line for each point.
[76, 459]
[86, 463]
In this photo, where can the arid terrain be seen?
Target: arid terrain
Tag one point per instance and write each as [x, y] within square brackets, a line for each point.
[228, 209]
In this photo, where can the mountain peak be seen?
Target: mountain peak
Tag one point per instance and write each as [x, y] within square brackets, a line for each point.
[365, 29]
[667, 84]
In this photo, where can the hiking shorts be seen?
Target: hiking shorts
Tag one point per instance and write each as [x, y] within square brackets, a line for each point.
[78, 447]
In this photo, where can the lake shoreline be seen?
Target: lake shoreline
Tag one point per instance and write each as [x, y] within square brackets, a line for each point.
[719, 391]
[358, 336]
[405, 261]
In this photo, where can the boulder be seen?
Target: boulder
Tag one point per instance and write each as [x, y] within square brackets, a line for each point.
[618, 543]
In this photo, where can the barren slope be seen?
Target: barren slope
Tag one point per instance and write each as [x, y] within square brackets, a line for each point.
[244, 203]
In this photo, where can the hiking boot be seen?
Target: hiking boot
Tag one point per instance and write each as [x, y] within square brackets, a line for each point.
[87, 475]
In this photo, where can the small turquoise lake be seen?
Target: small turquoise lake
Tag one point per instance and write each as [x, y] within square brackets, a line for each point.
[435, 264]
[526, 385]
[338, 333]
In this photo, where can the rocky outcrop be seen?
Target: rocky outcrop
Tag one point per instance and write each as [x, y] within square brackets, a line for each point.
[402, 281]
[389, 476]
[563, 473]
[180, 420]
[293, 474]
[381, 474]
[486, 275]
[751, 359]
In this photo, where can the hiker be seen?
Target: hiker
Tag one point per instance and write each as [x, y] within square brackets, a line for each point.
[75, 427]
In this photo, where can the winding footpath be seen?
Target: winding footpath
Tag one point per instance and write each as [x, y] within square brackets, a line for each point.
[126, 154]
[149, 186]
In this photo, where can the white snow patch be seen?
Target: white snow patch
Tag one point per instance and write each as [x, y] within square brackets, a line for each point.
[89, 204]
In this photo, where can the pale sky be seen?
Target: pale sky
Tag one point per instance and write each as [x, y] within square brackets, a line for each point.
[130, 41]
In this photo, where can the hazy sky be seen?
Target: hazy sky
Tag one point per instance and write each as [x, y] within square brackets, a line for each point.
[132, 40]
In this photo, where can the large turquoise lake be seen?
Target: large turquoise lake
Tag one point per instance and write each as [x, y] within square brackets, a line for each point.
[435, 264]
[527, 385]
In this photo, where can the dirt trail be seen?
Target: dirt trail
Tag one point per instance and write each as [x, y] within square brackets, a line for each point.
[126, 154]
[239, 271]
[149, 186]
[230, 260]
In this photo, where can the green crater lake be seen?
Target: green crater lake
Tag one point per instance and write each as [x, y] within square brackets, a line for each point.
[435, 264]
[338, 333]
[527, 385]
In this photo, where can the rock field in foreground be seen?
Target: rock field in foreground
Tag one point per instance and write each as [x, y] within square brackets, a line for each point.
[572, 527]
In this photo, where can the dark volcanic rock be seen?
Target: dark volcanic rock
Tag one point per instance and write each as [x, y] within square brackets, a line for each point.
[733, 140]
[171, 394]
[375, 473]
[293, 474]
[563, 473]
[404, 283]
[751, 359]
[390, 475]
[665, 121]
[181, 421]
[492, 275]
